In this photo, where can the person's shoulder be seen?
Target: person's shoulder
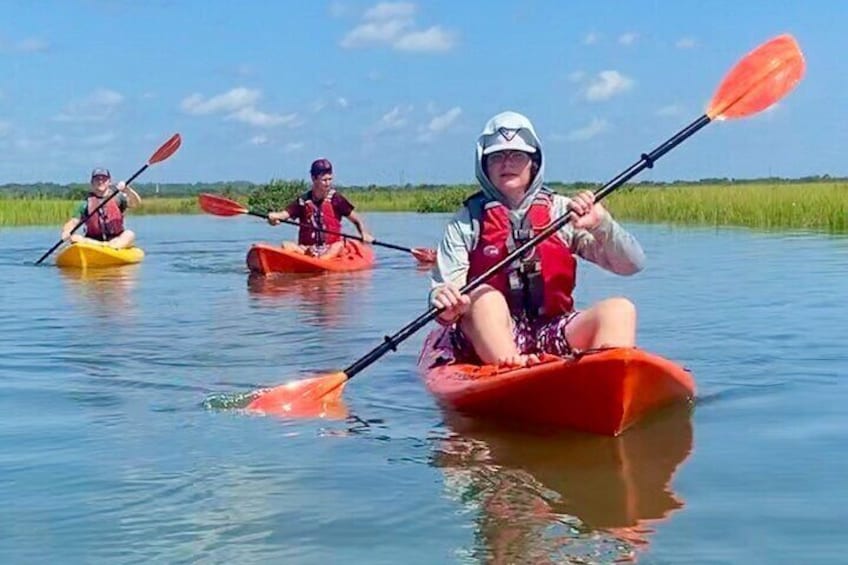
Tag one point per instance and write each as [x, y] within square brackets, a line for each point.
[462, 215]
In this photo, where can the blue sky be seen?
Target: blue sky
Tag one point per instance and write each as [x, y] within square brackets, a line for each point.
[398, 91]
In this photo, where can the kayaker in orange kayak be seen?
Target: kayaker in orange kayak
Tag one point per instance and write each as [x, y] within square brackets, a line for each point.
[322, 207]
[527, 309]
[106, 226]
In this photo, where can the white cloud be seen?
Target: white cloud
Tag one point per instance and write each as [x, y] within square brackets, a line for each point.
[431, 40]
[628, 38]
[258, 140]
[317, 106]
[239, 104]
[32, 45]
[98, 140]
[244, 70]
[394, 119]
[390, 10]
[393, 24]
[96, 107]
[5, 127]
[292, 146]
[373, 75]
[230, 101]
[591, 38]
[686, 43]
[342, 102]
[443, 121]
[670, 111]
[576, 76]
[439, 124]
[596, 127]
[254, 117]
[606, 85]
[375, 32]
[336, 9]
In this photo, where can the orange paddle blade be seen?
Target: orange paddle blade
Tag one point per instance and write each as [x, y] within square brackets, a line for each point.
[219, 205]
[423, 255]
[319, 397]
[168, 148]
[764, 76]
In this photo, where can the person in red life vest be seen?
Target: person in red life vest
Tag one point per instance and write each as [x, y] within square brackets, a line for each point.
[321, 208]
[106, 226]
[527, 308]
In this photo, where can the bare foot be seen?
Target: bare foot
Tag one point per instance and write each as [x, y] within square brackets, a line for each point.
[518, 361]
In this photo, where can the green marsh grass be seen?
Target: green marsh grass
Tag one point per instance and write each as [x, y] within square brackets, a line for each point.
[813, 206]
[819, 206]
[44, 211]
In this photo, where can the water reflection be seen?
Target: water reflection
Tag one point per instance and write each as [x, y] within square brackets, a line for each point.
[105, 292]
[322, 297]
[570, 497]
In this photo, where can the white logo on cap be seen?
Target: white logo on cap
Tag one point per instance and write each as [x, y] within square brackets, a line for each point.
[508, 134]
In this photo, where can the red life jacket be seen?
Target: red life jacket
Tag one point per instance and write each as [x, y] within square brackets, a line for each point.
[322, 216]
[108, 222]
[541, 283]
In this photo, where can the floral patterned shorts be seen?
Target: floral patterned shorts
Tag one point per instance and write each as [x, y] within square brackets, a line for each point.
[540, 335]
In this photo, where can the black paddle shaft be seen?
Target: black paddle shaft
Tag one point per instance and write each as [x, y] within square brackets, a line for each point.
[345, 235]
[85, 218]
[646, 161]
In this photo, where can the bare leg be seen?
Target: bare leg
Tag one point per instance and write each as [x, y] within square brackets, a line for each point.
[334, 250]
[488, 326]
[291, 246]
[609, 323]
[126, 239]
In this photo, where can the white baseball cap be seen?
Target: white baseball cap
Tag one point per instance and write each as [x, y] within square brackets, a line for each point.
[506, 139]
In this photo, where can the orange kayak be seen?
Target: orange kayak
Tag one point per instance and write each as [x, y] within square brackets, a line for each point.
[265, 258]
[603, 392]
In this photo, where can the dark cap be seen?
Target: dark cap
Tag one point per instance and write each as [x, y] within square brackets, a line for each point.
[99, 172]
[321, 166]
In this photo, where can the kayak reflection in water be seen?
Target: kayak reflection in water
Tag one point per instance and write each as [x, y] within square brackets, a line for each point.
[527, 309]
[569, 498]
[104, 292]
[322, 299]
[321, 208]
[106, 226]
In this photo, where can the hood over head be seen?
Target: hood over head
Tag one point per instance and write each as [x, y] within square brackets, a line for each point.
[510, 131]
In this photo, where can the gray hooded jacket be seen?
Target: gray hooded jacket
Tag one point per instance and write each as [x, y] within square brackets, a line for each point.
[607, 245]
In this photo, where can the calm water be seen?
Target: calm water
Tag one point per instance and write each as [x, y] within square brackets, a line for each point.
[107, 454]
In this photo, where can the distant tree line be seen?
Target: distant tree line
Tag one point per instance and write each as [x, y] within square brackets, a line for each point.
[274, 193]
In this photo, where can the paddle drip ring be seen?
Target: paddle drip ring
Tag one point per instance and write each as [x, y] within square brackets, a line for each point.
[392, 343]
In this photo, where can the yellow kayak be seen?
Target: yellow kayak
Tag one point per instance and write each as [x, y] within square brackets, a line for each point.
[86, 255]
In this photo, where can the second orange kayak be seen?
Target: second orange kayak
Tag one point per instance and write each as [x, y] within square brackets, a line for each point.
[604, 392]
[265, 258]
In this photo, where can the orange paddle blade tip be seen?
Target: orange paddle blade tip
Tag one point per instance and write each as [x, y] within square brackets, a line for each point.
[218, 205]
[423, 255]
[319, 397]
[761, 78]
[168, 148]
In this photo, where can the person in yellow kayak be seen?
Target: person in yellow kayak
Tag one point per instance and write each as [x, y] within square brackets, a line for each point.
[106, 226]
[527, 308]
[320, 208]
